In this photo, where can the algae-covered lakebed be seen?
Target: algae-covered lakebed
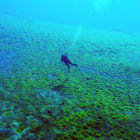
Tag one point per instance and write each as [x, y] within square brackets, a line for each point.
[41, 100]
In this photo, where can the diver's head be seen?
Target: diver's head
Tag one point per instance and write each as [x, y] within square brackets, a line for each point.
[64, 54]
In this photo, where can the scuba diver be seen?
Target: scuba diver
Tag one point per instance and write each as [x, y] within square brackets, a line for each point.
[67, 62]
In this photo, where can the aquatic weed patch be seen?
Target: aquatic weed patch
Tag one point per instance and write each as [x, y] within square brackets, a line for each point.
[41, 100]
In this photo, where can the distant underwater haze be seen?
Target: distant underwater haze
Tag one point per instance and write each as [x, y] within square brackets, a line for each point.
[106, 14]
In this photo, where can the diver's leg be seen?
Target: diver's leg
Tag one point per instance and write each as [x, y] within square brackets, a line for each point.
[75, 65]
[67, 64]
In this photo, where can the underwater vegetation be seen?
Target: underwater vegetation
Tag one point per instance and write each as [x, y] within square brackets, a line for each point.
[40, 100]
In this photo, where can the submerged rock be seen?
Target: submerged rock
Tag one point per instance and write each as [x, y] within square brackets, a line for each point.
[8, 59]
[5, 132]
[51, 76]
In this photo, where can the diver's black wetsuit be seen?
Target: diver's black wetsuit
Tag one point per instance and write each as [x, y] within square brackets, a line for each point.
[67, 62]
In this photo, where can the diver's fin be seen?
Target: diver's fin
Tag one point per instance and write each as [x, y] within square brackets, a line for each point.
[78, 68]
